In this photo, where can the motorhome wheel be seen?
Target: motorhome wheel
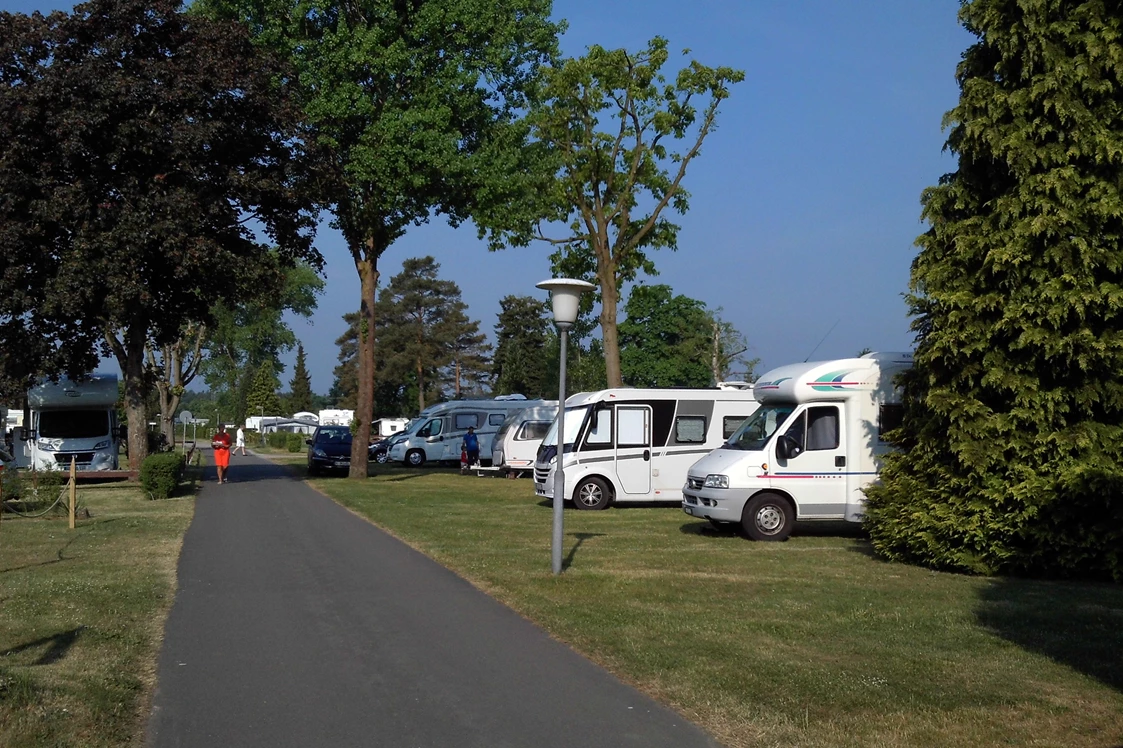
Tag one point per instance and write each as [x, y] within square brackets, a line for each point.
[415, 458]
[592, 493]
[382, 457]
[768, 516]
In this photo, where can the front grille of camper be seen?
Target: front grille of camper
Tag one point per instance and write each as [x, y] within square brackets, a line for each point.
[695, 482]
[83, 458]
[540, 475]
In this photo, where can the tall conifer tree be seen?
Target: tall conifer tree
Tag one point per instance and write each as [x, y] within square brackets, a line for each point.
[300, 387]
[1012, 446]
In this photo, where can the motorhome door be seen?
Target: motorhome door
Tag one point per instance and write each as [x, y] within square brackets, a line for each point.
[633, 448]
[816, 471]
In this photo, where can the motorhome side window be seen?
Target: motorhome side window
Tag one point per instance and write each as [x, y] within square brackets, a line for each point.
[690, 430]
[730, 424]
[890, 416]
[464, 421]
[816, 429]
[634, 427]
[600, 430]
[496, 419]
[533, 430]
[430, 429]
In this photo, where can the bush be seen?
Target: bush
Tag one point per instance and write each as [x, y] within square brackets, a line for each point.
[157, 442]
[295, 442]
[277, 439]
[160, 474]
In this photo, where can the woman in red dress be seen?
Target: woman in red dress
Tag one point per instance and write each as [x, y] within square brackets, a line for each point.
[221, 445]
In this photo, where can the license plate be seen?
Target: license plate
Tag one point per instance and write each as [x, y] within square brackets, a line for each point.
[343, 463]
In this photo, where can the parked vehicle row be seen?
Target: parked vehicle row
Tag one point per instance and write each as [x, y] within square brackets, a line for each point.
[802, 445]
[436, 435]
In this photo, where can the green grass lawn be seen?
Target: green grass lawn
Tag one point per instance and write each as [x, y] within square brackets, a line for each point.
[81, 617]
[812, 642]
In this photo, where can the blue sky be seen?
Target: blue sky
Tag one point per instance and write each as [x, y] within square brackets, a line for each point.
[805, 202]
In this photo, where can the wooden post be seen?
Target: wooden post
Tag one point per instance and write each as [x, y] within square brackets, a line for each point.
[1, 491]
[73, 488]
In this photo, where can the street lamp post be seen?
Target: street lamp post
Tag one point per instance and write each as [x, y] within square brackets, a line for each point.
[565, 294]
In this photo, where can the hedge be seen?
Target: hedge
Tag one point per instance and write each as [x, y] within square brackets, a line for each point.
[160, 474]
[295, 442]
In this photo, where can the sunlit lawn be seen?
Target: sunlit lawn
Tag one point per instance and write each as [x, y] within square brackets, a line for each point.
[809, 642]
[81, 617]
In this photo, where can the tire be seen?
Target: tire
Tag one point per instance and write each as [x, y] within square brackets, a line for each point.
[415, 458]
[382, 457]
[312, 469]
[768, 516]
[592, 493]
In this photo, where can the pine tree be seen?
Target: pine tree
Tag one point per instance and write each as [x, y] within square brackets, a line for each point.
[300, 387]
[470, 353]
[1012, 446]
[262, 398]
[521, 363]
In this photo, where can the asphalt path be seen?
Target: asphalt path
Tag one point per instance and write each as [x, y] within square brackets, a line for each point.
[297, 623]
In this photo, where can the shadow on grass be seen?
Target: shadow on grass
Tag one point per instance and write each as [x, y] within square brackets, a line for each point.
[59, 645]
[60, 556]
[1075, 624]
[581, 538]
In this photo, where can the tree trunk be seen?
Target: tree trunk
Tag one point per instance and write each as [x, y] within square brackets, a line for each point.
[136, 394]
[609, 300]
[457, 379]
[420, 386]
[715, 354]
[364, 405]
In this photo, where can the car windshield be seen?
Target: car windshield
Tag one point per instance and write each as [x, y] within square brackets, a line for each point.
[759, 428]
[340, 435]
[73, 424]
[574, 419]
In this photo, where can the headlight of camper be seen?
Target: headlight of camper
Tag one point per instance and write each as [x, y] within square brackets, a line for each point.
[47, 445]
[713, 480]
[102, 445]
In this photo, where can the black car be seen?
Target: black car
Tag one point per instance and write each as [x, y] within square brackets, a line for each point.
[329, 449]
[379, 451]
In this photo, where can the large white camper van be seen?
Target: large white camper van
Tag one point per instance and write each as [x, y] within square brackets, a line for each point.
[630, 444]
[436, 437]
[71, 420]
[809, 451]
[516, 444]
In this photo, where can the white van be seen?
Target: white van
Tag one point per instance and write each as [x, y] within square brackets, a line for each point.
[70, 421]
[630, 444]
[809, 451]
[516, 444]
[437, 436]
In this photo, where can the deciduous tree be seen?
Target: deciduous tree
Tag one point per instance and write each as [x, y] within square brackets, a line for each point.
[1012, 444]
[137, 147]
[416, 105]
[665, 340]
[608, 123]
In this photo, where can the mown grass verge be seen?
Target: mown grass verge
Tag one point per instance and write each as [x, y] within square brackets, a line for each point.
[81, 617]
[812, 642]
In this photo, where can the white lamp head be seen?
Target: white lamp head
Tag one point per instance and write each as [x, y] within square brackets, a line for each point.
[565, 293]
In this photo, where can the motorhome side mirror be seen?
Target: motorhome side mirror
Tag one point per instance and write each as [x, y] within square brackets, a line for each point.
[29, 435]
[787, 447]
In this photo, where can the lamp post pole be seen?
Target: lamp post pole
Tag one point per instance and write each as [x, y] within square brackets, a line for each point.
[559, 474]
[565, 295]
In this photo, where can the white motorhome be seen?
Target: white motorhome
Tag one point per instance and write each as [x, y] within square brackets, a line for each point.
[627, 445]
[808, 453]
[386, 427]
[516, 444]
[336, 417]
[436, 437]
[71, 420]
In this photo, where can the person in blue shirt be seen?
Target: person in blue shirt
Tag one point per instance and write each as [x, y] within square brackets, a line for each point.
[472, 446]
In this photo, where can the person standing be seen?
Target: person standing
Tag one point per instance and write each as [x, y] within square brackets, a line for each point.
[240, 441]
[472, 446]
[220, 442]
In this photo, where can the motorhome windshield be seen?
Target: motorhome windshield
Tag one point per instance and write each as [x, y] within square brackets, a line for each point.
[73, 424]
[574, 420]
[759, 428]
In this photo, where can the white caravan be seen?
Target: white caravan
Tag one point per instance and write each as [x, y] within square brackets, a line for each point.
[71, 420]
[515, 446]
[624, 445]
[387, 427]
[808, 453]
[436, 437]
[332, 417]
